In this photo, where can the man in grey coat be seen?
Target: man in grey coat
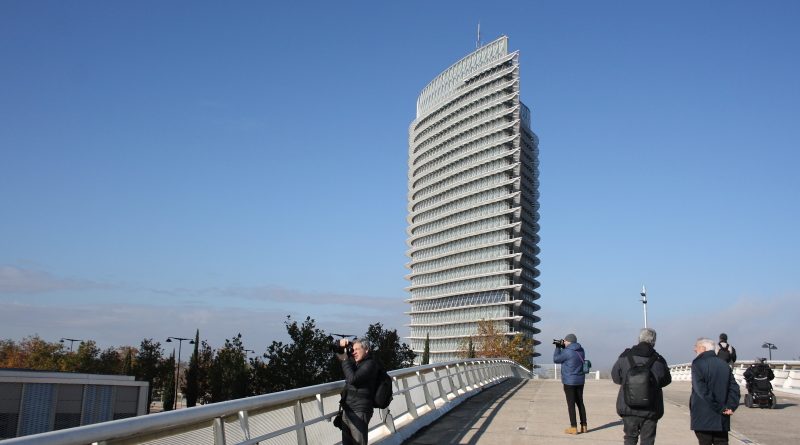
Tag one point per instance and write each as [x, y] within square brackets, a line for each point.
[639, 423]
[715, 395]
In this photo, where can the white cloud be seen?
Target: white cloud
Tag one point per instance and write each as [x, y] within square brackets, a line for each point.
[128, 324]
[26, 281]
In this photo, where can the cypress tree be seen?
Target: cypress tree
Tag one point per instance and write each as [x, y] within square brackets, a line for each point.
[426, 354]
[193, 374]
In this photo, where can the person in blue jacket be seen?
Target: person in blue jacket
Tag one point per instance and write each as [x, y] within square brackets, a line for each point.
[569, 353]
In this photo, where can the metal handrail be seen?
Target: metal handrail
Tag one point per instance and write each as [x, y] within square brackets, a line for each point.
[303, 411]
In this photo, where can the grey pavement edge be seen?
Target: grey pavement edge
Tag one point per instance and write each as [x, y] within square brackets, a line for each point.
[521, 411]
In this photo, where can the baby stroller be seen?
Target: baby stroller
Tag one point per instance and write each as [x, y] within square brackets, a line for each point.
[759, 388]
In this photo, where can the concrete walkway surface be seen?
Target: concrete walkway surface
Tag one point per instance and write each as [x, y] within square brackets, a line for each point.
[525, 412]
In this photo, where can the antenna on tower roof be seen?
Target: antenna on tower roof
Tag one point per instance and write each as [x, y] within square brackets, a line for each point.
[478, 42]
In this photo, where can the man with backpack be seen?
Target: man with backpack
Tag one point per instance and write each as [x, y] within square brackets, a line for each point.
[361, 379]
[641, 372]
[725, 350]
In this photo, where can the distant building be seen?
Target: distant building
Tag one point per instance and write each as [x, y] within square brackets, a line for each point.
[473, 205]
[36, 402]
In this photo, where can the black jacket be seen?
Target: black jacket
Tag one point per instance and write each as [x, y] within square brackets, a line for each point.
[641, 353]
[713, 390]
[360, 380]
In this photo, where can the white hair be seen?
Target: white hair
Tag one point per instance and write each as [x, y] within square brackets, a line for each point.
[364, 343]
[707, 343]
[647, 335]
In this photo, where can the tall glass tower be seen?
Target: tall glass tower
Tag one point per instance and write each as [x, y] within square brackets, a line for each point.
[473, 203]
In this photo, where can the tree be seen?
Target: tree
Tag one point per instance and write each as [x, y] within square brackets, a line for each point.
[35, 353]
[10, 354]
[491, 342]
[168, 390]
[127, 362]
[426, 353]
[259, 377]
[229, 374]
[85, 359]
[306, 361]
[387, 349]
[109, 362]
[204, 363]
[520, 349]
[495, 344]
[147, 365]
[193, 374]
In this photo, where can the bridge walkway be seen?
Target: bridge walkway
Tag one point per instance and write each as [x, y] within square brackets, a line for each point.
[525, 412]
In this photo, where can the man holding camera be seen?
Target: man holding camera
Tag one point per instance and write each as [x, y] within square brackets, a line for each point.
[360, 375]
[571, 356]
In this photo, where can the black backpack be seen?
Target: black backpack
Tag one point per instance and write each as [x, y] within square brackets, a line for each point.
[639, 386]
[725, 353]
[383, 389]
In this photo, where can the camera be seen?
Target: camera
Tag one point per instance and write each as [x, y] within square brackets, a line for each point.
[559, 343]
[339, 349]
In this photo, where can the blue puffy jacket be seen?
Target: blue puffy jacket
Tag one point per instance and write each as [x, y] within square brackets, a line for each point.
[571, 359]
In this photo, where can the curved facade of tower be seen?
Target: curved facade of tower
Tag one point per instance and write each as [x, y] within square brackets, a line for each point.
[473, 205]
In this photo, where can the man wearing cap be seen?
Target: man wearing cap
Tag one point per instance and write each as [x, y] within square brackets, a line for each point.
[571, 356]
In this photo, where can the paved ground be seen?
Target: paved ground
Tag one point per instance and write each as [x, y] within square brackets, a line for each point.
[534, 412]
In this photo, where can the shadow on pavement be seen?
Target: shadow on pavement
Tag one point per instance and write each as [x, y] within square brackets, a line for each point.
[608, 425]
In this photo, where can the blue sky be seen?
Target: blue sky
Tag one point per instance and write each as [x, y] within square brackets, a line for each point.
[168, 166]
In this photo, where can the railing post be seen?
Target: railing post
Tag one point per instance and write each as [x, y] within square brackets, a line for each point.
[469, 375]
[219, 431]
[453, 389]
[428, 398]
[442, 394]
[461, 385]
[298, 421]
[410, 407]
[245, 424]
[320, 406]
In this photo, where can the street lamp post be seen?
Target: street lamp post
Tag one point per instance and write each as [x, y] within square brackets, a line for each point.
[178, 363]
[643, 293]
[770, 347]
[71, 341]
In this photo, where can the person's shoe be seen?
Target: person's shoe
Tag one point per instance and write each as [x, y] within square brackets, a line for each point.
[571, 430]
[584, 429]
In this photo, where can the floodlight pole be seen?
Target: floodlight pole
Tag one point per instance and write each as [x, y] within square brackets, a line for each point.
[71, 341]
[770, 347]
[643, 293]
[178, 363]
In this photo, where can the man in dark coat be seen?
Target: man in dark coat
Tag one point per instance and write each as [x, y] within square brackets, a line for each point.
[360, 375]
[640, 422]
[715, 395]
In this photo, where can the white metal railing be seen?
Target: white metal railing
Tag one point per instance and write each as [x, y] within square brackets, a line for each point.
[299, 416]
[553, 371]
[787, 372]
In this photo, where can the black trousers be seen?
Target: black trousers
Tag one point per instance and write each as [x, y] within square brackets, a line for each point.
[355, 426]
[712, 437]
[636, 428]
[574, 395]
